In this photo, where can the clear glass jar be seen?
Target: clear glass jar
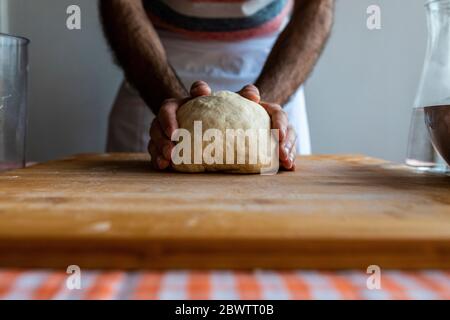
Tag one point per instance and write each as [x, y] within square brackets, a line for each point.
[13, 100]
[434, 87]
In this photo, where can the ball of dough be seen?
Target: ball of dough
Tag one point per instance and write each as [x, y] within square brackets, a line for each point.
[221, 111]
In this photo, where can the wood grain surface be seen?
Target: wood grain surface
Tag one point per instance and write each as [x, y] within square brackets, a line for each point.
[114, 211]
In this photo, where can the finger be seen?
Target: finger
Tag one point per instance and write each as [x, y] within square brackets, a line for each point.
[271, 108]
[158, 161]
[168, 117]
[251, 92]
[293, 155]
[200, 88]
[166, 150]
[293, 158]
[289, 163]
[279, 119]
[289, 143]
[156, 131]
[162, 163]
[280, 122]
[163, 144]
[153, 154]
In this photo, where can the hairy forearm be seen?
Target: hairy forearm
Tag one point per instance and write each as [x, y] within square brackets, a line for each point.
[138, 50]
[296, 50]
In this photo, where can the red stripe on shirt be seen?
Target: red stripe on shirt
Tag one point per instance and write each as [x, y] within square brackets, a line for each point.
[261, 30]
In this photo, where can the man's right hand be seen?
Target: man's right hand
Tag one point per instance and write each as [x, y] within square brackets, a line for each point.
[163, 126]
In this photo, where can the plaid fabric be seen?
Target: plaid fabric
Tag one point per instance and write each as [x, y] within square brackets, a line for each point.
[223, 285]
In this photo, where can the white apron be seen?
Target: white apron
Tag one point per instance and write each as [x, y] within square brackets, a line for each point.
[223, 65]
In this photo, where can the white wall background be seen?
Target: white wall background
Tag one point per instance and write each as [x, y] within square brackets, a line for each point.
[4, 21]
[359, 96]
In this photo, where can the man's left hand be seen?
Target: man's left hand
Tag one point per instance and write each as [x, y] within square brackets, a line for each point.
[280, 121]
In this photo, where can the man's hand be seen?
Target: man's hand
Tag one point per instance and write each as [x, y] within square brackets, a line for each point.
[280, 121]
[161, 131]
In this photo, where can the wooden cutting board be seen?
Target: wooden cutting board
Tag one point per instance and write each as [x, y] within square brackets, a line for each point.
[113, 211]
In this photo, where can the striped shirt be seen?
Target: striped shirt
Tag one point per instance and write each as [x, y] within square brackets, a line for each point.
[219, 19]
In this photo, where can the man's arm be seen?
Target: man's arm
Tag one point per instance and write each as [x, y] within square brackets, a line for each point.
[296, 50]
[139, 51]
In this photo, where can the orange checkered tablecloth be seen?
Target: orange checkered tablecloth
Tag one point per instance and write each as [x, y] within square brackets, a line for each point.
[223, 285]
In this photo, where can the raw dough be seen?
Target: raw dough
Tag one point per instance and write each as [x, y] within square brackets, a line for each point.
[225, 110]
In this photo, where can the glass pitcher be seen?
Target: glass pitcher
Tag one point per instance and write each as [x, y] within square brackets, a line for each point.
[13, 100]
[434, 88]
